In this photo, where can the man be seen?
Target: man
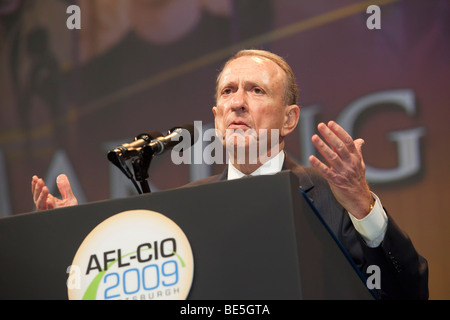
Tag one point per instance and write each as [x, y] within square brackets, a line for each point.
[256, 98]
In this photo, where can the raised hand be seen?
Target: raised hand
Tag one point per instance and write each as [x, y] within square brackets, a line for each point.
[42, 198]
[345, 168]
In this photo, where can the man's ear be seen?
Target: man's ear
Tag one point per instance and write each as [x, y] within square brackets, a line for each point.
[214, 110]
[292, 115]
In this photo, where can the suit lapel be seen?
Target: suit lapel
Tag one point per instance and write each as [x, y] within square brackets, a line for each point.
[303, 177]
[222, 176]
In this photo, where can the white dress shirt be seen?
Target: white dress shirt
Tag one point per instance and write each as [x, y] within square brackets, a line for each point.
[372, 227]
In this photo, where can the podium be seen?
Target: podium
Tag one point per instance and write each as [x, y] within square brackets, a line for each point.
[256, 238]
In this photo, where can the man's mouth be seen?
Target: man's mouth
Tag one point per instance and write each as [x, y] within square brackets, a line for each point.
[238, 125]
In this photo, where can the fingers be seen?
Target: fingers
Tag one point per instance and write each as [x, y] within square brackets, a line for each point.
[337, 146]
[329, 154]
[358, 144]
[51, 202]
[340, 141]
[64, 187]
[343, 136]
[41, 200]
[36, 187]
[321, 167]
[39, 192]
[34, 181]
[68, 198]
[343, 162]
[343, 166]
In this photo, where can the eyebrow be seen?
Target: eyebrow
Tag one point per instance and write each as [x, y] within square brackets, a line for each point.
[247, 84]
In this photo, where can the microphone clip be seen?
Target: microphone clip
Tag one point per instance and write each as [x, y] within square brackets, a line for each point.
[140, 157]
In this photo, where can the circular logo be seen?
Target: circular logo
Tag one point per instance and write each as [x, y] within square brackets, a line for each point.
[137, 254]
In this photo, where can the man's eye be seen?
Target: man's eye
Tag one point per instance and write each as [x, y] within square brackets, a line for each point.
[226, 91]
[258, 90]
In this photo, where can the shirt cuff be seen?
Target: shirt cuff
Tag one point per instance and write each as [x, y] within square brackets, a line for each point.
[373, 226]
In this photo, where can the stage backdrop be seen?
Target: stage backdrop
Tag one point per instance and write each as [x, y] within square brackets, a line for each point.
[71, 89]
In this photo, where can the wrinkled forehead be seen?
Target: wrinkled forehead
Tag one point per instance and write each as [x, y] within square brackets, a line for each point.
[251, 68]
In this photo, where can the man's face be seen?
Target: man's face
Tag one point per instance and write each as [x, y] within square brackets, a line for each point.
[250, 97]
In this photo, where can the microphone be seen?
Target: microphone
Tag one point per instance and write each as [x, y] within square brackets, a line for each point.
[139, 141]
[156, 141]
[174, 136]
[145, 146]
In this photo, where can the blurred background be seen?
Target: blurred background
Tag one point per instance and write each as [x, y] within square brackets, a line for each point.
[70, 95]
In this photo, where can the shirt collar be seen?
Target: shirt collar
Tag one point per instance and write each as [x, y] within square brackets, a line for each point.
[274, 165]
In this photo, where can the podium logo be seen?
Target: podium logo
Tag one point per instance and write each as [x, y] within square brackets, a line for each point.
[136, 255]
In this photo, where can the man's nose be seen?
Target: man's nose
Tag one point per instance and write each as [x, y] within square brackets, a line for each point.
[239, 101]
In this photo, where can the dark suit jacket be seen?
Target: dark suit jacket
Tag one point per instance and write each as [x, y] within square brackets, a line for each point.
[404, 273]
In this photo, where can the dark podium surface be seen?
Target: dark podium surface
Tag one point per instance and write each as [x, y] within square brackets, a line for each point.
[253, 238]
